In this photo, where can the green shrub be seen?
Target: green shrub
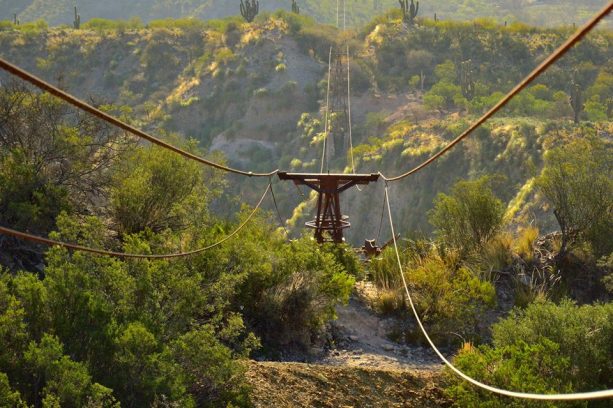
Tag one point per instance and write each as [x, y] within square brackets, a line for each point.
[450, 302]
[547, 348]
[390, 302]
[35, 189]
[470, 217]
[449, 297]
[383, 271]
[63, 380]
[157, 190]
[208, 368]
[578, 181]
[102, 24]
[288, 300]
[9, 397]
[444, 95]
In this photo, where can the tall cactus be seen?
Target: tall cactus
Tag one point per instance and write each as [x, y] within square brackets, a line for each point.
[250, 9]
[576, 99]
[467, 82]
[409, 12]
[295, 7]
[77, 19]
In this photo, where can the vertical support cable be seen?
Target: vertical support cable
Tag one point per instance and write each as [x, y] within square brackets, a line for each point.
[324, 157]
[337, 13]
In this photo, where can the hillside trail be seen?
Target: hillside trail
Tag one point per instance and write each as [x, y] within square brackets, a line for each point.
[361, 340]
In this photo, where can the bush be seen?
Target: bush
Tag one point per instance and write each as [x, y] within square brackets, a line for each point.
[8, 397]
[547, 348]
[449, 301]
[449, 298]
[524, 244]
[102, 24]
[158, 190]
[578, 181]
[383, 271]
[443, 95]
[288, 301]
[494, 256]
[469, 217]
[208, 368]
[389, 302]
[35, 189]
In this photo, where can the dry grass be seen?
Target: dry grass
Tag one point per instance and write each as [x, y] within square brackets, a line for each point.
[537, 285]
[389, 302]
[524, 244]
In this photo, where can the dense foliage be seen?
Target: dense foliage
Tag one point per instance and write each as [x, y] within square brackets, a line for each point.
[96, 331]
[547, 348]
[578, 181]
[470, 217]
[91, 331]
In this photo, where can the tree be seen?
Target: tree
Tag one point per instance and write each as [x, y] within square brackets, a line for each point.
[578, 181]
[52, 159]
[469, 217]
[157, 190]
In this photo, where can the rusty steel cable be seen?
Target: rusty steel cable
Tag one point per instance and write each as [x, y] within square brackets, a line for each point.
[79, 248]
[581, 396]
[557, 54]
[84, 106]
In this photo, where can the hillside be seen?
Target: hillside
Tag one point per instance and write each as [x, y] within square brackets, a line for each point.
[538, 12]
[255, 93]
[505, 248]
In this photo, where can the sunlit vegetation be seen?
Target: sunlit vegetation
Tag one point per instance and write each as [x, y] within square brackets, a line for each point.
[95, 331]
[506, 243]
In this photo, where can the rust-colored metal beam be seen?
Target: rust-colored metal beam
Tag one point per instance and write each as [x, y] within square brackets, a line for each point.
[329, 223]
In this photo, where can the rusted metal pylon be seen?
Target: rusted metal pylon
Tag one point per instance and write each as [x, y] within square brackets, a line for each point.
[329, 223]
[338, 109]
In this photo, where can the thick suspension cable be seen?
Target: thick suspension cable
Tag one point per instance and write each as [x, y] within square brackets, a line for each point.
[582, 396]
[557, 54]
[79, 248]
[84, 106]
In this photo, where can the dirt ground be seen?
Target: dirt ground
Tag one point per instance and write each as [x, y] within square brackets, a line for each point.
[281, 385]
